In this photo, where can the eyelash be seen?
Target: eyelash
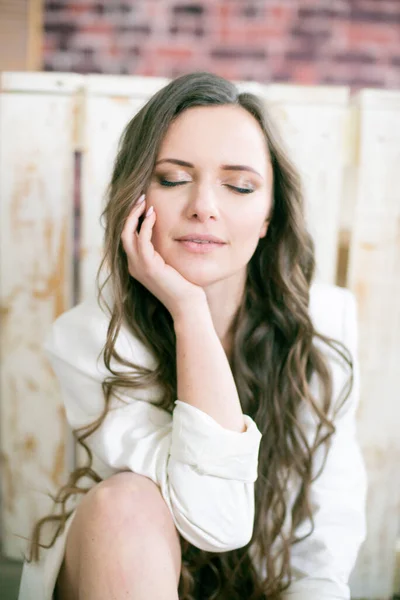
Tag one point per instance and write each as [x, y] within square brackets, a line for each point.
[166, 183]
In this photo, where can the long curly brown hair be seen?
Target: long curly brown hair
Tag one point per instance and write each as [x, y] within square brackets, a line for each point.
[274, 352]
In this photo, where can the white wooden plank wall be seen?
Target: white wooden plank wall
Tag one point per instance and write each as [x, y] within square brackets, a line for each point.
[36, 179]
[322, 132]
[374, 276]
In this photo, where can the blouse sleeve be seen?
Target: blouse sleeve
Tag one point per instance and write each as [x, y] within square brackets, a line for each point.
[206, 473]
[322, 563]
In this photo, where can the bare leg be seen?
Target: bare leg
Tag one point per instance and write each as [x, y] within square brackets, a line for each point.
[122, 544]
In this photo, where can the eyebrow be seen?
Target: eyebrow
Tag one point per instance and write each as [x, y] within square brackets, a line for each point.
[184, 163]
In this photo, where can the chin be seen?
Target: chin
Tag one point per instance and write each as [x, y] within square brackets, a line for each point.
[203, 276]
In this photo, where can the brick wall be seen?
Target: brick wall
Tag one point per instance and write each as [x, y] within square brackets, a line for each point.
[353, 42]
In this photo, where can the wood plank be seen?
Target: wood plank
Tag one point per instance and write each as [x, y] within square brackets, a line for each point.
[14, 28]
[41, 83]
[109, 103]
[35, 43]
[374, 276]
[312, 122]
[36, 179]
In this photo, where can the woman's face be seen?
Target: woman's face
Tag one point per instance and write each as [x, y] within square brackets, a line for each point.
[212, 177]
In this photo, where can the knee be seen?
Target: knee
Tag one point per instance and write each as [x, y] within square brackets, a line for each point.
[125, 506]
[128, 500]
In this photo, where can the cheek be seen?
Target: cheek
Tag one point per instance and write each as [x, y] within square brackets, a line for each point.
[248, 231]
[157, 235]
[162, 227]
[246, 240]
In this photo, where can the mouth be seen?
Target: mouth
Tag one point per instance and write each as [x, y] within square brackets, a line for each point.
[200, 238]
[200, 246]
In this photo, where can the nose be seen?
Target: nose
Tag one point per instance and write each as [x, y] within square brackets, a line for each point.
[202, 203]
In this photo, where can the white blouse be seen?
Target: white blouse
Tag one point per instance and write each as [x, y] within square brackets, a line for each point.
[205, 472]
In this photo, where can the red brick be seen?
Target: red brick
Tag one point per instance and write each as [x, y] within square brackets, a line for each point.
[77, 8]
[366, 33]
[296, 40]
[282, 13]
[175, 53]
[305, 74]
[106, 28]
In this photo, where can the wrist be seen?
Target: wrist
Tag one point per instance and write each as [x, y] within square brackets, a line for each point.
[192, 314]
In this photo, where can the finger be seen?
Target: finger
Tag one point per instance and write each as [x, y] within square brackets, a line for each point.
[144, 245]
[131, 225]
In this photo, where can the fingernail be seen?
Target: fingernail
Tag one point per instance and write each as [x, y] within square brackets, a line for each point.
[141, 199]
[149, 211]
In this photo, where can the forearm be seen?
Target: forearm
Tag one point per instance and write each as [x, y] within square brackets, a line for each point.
[204, 375]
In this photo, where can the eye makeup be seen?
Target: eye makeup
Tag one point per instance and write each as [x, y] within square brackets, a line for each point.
[166, 183]
[240, 189]
[168, 179]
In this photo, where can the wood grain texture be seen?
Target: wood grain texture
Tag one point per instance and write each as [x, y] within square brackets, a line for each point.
[374, 276]
[35, 45]
[14, 31]
[35, 277]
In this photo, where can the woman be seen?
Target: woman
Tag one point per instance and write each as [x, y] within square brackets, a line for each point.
[251, 484]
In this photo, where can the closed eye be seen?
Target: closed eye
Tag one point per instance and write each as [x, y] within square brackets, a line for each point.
[240, 190]
[167, 183]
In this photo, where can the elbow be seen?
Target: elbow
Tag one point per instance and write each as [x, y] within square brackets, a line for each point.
[211, 513]
[219, 538]
[240, 537]
[236, 530]
[220, 526]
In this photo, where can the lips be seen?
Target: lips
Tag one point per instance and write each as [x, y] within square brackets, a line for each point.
[200, 247]
[201, 239]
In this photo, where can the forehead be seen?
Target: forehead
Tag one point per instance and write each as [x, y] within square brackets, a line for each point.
[214, 135]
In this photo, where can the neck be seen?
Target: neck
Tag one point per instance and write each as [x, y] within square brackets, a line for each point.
[224, 299]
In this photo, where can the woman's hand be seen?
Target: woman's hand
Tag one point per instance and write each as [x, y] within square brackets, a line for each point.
[147, 266]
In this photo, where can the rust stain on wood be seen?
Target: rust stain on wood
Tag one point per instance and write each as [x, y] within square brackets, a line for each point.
[30, 445]
[32, 385]
[58, 463]
[13, 401]
[361, 290]
[48, 368]
[54, 288]
[7, 482]
[26, 185]
[120, 99]
[4, 313]
[367, 246]
[23, 188]
[60, 453]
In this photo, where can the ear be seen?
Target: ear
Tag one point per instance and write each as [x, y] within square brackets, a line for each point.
[264, 228]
